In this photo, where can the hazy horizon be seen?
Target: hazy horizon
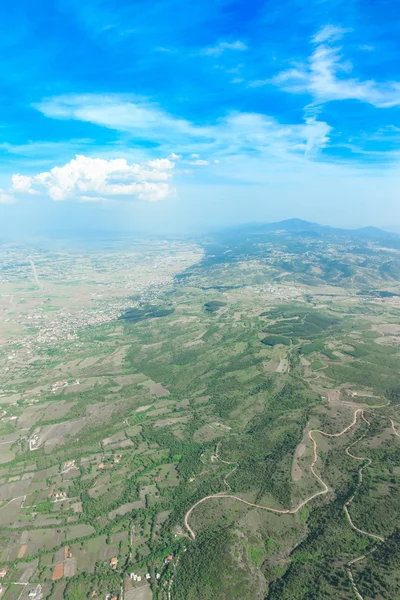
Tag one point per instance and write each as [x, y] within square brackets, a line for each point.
[104, 233]
[134, 120]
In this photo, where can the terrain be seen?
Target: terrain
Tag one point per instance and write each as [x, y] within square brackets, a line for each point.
[202, 419]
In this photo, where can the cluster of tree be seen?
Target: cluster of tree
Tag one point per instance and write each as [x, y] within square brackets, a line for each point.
[144, 312]
[209, 570]
[214, 305]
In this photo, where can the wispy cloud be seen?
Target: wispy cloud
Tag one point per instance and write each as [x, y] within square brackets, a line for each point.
[6, 197]
[200, 162]
[40, 149]
[223, 46]
[166, 50]
[125, 113]
[235, 133]
[326, 76]
[329, 33]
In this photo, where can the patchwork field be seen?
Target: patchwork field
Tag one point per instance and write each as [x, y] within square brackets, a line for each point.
[180, 424]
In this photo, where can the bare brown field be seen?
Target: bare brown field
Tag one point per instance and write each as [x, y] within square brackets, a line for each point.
[22, 550]
[58, 572]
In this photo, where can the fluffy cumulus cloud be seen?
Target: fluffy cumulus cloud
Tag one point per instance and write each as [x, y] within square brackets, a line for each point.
[208, 149]
[93, 179]
[326, 76]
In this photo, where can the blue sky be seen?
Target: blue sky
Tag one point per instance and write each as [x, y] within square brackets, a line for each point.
[176, 116]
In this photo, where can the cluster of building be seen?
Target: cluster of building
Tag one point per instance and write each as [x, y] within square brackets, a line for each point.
[57, 494]
[36, 593]
[58, 385]
[69, 465]
[65, 325]
[138, 578]
[33, 442]
[60, 495]
[3, 573]
[284, 292]
[135, 576]
[116, 460]
[146, 276]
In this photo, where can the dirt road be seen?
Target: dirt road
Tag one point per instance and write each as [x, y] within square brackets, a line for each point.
[325, 488]
[366, 460]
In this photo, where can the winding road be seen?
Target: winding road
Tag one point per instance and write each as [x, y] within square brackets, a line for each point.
[325, 489]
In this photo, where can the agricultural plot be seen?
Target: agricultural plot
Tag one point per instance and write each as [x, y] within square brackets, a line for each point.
[157, 433]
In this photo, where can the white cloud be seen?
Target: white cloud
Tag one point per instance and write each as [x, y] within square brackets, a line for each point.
[122, 113]
[166, 50]
[252, 133]
[161, 164]
[237, 133]
[199, 162]
[222, 46]
[366, 48]
[21, 183]
[40, 149]
[326, 76]
[329, 33]
[94, 179]
[6, 197]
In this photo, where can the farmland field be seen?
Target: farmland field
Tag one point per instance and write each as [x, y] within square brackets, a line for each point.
[219, 424]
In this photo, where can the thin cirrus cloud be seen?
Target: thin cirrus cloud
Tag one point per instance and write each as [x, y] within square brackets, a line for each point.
[199, 162]
[96, 179]
[326, 76]
[223, 46]
[6, 197]
[242, 139]
[123, 113]
[40, 149]
[237, 133]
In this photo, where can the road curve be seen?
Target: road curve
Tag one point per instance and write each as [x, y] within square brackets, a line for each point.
[366, 460]
[23, 498]
[325, 488]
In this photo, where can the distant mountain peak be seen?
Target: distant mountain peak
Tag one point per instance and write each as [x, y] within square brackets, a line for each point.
[370, 230]
[299, 226]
